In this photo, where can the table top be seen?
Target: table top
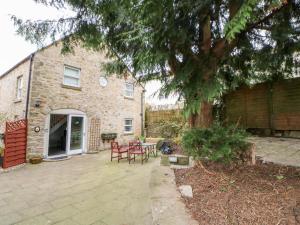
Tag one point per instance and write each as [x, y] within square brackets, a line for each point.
[148, 144]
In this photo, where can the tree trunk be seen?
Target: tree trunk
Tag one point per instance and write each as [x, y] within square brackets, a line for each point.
[205, 117]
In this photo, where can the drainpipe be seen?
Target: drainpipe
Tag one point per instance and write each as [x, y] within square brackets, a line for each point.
[29, 86]
[142, 111]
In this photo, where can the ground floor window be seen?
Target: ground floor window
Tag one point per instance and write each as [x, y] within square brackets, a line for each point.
[128, 125]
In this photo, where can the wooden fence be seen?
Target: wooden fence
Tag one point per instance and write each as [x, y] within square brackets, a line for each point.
[15, 141]
[274, 106]
[153, 118]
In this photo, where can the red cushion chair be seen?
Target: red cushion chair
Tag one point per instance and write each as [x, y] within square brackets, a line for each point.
[118, 150]
[135, 148]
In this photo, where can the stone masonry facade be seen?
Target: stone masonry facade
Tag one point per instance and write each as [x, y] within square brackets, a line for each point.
[104, 107]
[12, 108]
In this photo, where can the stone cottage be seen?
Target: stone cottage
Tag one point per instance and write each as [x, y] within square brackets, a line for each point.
[69, 102]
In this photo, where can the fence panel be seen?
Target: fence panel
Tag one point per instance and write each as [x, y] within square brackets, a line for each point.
[15, 143]
[270, 106]
[155, 117]
[286, 105]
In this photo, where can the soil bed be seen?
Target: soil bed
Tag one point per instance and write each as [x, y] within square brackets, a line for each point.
[264, 194]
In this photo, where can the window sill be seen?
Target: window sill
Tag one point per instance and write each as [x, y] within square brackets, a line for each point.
[128, 133]
[128, 97]
[71, 87]
[17, 100]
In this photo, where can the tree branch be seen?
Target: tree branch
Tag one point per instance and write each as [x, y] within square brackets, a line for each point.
[221, 46]
[172, 61]
[274, 11]
[206, 43]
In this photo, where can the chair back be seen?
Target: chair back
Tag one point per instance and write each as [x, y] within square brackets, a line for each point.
[135, 146]
[131, 145]
[114, 146]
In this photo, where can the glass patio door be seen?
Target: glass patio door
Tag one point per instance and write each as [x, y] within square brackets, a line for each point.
[76, 134]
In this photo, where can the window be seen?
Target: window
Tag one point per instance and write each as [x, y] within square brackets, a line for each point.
[71, 76]
[129, 90]
[128, 128]
[19, 88]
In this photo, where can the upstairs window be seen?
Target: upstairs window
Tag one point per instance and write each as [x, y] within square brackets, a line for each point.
[71, 76]
[19, 88]
[129, 90]
[128, 125]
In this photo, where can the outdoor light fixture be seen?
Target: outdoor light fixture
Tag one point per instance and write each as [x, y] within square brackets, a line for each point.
[37, 103]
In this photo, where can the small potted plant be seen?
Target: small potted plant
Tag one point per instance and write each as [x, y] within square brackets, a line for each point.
[1, 156]
[35, 159]
[142, 139]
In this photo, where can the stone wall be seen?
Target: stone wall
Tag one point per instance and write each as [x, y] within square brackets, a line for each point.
[105, 104]
[11, 108]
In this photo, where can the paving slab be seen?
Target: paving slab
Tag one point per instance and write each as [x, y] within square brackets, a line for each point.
[36, 220]
[87, 189]
[167, 206]
[278, 150]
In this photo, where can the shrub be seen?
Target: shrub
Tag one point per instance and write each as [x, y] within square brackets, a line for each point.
[217, 143]
[171, 128]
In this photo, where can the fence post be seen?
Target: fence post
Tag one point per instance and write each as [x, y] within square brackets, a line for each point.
[246, 108]
[5, 145]
[270, 107]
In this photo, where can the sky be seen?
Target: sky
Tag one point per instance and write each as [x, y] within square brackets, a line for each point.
[14, 48]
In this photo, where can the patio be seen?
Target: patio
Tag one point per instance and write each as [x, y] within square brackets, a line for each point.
[282, 151]
[89, 189]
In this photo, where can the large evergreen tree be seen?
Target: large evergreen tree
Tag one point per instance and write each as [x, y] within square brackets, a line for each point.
[198, 48]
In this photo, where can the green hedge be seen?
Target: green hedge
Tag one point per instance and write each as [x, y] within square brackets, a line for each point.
[217, 143]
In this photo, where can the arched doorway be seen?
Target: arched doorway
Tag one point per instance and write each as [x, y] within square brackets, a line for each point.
[67, 132]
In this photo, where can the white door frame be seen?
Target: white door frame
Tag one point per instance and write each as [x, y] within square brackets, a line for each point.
[69, 113]
[68, 141]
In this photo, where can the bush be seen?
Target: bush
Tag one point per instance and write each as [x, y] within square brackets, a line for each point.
[171, 128]
[217, 143]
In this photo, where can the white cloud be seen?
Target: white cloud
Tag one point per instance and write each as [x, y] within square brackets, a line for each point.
[152, 95]
[14, 48]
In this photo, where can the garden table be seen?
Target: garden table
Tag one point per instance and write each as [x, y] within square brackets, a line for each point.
[150, 148]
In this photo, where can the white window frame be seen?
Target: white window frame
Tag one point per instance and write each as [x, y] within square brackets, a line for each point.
[73, 77]
[126, 125]
[19, 87]
[126, 90]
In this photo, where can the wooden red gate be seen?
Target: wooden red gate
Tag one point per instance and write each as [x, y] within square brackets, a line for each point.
[15, 143]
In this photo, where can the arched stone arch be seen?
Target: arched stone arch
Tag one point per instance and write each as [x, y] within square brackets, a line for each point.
[67, 111]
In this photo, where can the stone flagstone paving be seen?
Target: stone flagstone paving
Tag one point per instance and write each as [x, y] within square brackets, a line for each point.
[282, 151]
[86, 189]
